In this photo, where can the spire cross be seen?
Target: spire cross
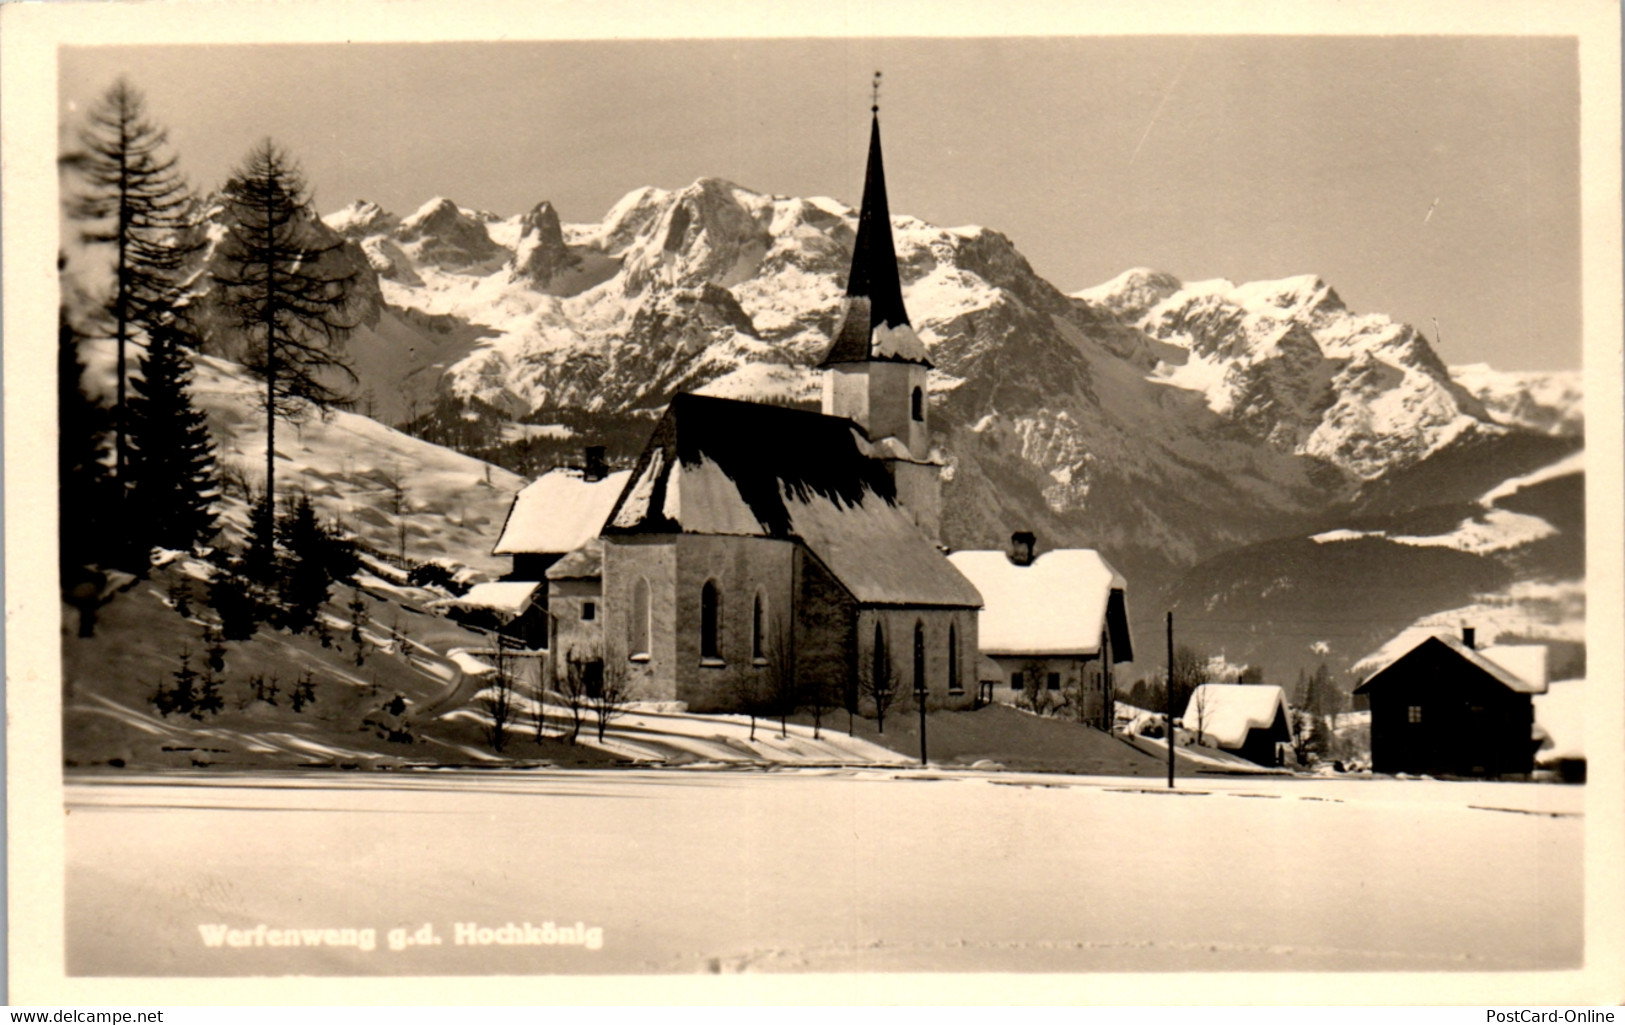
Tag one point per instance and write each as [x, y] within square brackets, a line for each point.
[875, 95]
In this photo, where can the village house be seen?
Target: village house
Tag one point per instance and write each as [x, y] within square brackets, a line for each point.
[1052, 626]
[755, 544]
[1445, 708]
[1246, 719]
[550, 518]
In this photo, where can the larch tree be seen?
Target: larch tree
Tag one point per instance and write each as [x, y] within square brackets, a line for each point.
[134, 200]
[288, 301]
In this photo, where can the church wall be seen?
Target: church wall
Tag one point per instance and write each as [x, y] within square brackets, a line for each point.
[897, 628]
[826, 641]
[846, 392]
[568, 633]
[891, 388]
[654, 559]
[740, 566]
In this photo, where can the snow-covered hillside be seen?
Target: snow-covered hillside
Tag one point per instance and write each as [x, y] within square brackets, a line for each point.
[398, 494]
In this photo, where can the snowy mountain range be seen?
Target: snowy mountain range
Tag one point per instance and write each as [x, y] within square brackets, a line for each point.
[1166, 423]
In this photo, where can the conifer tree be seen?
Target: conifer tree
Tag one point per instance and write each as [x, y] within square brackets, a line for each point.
[288, 301]
[171, 456]
[304, 581]
[82, 482]
[137, 203]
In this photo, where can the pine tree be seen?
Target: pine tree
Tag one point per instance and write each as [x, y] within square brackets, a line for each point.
[278, 290]
[304, 581]
[137, 203]
[358, 619]
[170, 453]
[83, 485]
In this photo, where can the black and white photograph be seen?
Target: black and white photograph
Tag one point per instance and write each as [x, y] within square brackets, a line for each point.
[647, 495]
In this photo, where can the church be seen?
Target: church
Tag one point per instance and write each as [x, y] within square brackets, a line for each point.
[754, 543]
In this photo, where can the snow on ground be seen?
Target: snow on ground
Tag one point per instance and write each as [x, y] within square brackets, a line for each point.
[1560, 715]
[828, 871]
[652, 734]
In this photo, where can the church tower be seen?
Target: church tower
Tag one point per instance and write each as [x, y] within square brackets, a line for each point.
[876, 371]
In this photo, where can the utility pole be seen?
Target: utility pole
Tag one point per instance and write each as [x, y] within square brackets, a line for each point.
[1169, 693]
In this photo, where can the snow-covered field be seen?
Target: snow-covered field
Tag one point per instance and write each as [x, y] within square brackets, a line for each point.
[818, 870]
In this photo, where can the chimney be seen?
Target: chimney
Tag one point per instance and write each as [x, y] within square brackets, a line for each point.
[1469, 636]
[1021, 547]
[595, 466]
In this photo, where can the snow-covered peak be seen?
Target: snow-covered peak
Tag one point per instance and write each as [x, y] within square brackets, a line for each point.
[1549, 401]
[361, 218]
[448, 236]
[1132, 292]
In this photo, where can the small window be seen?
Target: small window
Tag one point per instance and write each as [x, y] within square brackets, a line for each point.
[1054, 681]
[954, 684]
[918, 406]
[1414, 713]
[1015, 680]
[589, 610]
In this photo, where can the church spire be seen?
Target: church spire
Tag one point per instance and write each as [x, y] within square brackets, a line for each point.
[874, 293]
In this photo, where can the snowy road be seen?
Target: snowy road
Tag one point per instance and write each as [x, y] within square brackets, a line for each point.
[836, 870]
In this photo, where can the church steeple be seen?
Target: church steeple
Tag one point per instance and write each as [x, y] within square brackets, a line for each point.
[874, 323]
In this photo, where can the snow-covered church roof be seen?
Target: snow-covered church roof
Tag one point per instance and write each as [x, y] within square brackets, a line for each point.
[1226, 712]
[1059, 604]
[558, 512]
[719, 466]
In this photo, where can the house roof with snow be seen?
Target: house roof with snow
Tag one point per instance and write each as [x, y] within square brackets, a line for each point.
[510, 597]
[558, 511]
[1059, 604]
[874, 323]
[585, 563]
[719, 466]
[1504, 668]
[1227, 712]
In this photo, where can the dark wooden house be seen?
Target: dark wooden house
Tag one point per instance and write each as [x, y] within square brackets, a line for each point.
[1445, 709]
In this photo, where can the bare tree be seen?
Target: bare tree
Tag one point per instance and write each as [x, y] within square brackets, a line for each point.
[1034, 677]
[611, 697]
[782, 685]
[583, 674]
[498, 699]
[882, 687]
[1200, 705]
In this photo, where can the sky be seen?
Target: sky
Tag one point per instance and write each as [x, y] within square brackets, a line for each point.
[1429, 178]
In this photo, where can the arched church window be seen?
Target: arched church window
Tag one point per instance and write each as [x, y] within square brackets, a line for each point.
[637, 621]
[758, 621]
[918, 405]
[877, 662]
[919, 657]
[954, 686]
[710, 621]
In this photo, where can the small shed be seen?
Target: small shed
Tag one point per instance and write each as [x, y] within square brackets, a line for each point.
[1445, 708]
[513, 608]
[1246, 719]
